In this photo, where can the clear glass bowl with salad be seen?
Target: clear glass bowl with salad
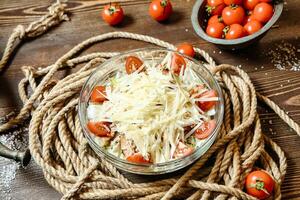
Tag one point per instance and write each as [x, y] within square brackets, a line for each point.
[151, 111]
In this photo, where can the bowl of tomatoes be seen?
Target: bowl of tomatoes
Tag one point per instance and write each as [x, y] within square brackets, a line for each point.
[234, 24]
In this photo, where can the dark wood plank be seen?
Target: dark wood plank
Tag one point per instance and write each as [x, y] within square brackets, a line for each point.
[280, 86]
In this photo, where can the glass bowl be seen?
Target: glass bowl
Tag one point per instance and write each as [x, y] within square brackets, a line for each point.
[107, 70]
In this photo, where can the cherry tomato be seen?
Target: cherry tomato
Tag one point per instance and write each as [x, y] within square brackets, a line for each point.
[182, 150]
[205, 129]
[236, 2]
[259, 184]
[263, 12]
[98, 94]
[215, 19]
[113, 14]
[215, 2]
[160, 10]
[207, 105]
[132, 64]
[177, 63]
[234, 31]
[266, 1]
[137, 158]
[253, 26]
[233, 14]
[249, 17]
[215, 30]
[100, 129]
[250, 4]
[187, 49]
[215, 10]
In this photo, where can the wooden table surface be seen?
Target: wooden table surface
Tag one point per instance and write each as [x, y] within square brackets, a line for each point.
[281, 86]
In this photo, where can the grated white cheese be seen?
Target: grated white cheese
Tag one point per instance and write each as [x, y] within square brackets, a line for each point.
[152, 109]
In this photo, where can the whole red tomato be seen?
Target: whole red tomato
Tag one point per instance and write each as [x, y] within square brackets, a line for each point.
[160, 10]
[249, 17]
[113, 14]
[187, 49]
[266, 1]
[215, 2]
[252, 26]
[215, 30]
[250, 4]
[236, 2]
[214, 19]
[215, 10]
[259, 184]
[263, 12]
[234, 31]
[233, 14]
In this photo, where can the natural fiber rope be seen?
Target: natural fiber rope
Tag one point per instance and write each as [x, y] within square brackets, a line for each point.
[58, 145]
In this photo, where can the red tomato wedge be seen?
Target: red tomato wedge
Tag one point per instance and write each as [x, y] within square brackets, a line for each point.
[205, 129]
[98, 94]
[137, 158]
[183, 150]
[100, 129]
[132, 64]
[177, 63]
[207, 105]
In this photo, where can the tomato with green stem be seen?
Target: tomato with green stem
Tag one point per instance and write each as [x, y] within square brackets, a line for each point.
[160, 10]
[252, 26]
[233, 14]
[215, 19]
[263, 12]
[101, 129]
[234, 31]
[187, 49]
[205, 129]
[215, 30]
[259, 184]
[113, 14]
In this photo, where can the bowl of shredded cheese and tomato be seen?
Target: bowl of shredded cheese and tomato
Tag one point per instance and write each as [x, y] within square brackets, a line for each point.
[151, 111]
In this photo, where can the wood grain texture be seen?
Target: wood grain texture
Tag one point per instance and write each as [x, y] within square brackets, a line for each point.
[281, 86]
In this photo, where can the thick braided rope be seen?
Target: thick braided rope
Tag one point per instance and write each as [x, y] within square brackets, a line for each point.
[53, 17]
[57, 143]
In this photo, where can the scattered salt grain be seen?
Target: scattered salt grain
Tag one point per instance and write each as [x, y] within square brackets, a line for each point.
[284, 56]
[220, 52]
[186, 30]
[270, 122]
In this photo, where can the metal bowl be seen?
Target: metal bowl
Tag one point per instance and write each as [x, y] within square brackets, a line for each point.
[199, 23]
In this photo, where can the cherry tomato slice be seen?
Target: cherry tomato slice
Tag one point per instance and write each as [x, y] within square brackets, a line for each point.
[183, 150]
[205, 129]
[137, 158]
[259, 184]
[98, 94]
[207, 105]
[177, 64]
[187, 49]
[100, 129]
[132, 64]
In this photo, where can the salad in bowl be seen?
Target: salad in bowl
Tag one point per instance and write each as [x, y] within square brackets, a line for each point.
[151, 111]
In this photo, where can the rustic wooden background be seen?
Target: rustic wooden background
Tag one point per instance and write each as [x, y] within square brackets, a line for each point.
[280, 86]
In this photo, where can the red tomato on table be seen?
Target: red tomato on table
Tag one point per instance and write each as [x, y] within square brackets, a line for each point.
[132, 64]
[259, 184]
[98, 94]
[101, 129]
[113, 14]
[187, 49]
[205, 129]
[160, 10]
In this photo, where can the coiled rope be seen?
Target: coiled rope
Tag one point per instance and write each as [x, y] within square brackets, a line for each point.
[59, 147]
